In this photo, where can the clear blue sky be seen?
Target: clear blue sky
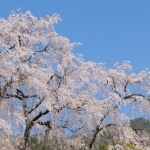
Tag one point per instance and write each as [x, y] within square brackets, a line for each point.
[109, 30]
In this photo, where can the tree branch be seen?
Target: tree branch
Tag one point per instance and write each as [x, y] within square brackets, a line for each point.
[4, 89]
[47, 123]
[37, 105]
[40, 115]
[37, 51]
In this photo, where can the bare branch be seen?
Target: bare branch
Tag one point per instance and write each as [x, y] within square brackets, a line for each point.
[37, 105]
[40, 115]
[4, 89]
[37, 51]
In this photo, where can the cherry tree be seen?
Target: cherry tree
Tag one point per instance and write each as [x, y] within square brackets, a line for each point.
[46, 90]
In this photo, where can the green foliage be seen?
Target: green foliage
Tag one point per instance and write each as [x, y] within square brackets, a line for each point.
[128, 145]
[141, 123]
[46, 144]
[103, 147]
[34, 144]
[105, 138]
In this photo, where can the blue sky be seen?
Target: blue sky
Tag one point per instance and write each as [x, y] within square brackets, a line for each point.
[109, 30]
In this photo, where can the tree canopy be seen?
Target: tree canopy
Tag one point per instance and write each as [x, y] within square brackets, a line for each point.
[47, 90]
